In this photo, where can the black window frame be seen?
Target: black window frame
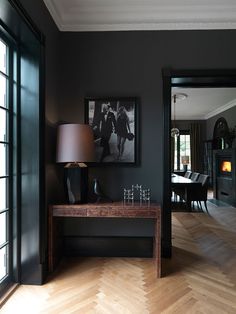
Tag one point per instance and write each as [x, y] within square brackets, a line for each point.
[181, 132]
[9, 109]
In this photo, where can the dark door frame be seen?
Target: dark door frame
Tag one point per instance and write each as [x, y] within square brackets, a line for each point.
[182, 78]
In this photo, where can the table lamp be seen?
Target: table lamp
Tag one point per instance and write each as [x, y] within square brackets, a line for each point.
[75, 146]
[185, 162]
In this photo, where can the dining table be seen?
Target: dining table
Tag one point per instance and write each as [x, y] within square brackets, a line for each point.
[185, 184]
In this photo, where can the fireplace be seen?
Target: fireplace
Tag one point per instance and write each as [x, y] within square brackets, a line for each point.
[224, 176]
[226, 167]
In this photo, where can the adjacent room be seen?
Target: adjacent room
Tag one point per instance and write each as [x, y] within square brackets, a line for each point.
[202, 147]
[117, 156]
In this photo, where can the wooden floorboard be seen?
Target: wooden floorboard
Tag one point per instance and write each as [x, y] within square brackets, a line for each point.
[201, 276]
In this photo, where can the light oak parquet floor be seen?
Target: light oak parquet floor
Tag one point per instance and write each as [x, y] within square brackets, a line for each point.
[201, 276]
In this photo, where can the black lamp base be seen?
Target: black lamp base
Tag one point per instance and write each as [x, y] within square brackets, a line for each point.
[185, 168]
[76, 185]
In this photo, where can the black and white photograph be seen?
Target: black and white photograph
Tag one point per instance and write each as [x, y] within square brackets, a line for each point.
[114, 124]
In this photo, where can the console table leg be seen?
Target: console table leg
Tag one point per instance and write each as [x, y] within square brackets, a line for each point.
[54, 240]
[157, 247]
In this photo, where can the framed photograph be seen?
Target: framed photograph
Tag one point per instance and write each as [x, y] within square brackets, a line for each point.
[115, 125]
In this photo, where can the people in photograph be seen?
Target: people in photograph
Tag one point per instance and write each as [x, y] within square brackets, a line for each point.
[106, 125]
[122, 130]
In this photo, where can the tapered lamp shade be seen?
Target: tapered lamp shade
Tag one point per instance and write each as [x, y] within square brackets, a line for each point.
[185, 160]
[75, 143]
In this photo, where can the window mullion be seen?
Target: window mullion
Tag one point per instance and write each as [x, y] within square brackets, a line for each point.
[178, 153]
[6, 169]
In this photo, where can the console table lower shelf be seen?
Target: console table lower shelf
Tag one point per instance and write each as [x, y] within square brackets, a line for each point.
[106, 210]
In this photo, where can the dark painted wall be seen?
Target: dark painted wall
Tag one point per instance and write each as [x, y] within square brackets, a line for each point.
[130, 64]
[230, 117]
[41, 17]
[34, 228]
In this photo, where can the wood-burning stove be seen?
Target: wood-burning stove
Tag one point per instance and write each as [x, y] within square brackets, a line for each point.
[224, 175]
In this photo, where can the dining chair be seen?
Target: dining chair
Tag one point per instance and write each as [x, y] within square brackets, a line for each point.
[188, 174]
[195, 176]
[201, 178]
[178, 192]
[199, 193]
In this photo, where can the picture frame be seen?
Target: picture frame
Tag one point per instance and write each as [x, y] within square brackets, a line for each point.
[115, 124]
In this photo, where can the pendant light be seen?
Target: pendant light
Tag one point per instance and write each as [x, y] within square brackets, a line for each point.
[178, 96]
[174, 131]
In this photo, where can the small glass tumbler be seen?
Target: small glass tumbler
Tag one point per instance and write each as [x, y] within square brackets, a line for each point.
[146, 196]
[128, 196]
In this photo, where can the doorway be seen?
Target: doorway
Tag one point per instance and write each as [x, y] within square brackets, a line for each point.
[183, 79]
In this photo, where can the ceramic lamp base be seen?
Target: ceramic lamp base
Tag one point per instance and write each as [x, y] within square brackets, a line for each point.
[185, 168]
[76, 185]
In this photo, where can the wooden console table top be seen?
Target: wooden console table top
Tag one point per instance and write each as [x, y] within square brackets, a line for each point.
[109, 210]
[105, 210]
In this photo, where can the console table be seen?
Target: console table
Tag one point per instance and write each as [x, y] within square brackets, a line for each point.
[106, 210]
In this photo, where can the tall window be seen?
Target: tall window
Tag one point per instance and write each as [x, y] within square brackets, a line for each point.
[5, 162]
[182, 151]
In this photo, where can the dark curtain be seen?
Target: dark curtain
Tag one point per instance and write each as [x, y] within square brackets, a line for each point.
[195, 142]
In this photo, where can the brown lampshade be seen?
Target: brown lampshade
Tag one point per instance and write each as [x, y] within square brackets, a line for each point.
[75, 143]
[185, 160]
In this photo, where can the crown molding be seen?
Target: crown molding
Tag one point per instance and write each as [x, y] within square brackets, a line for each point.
[144, 27]
[54, 12]
[221, 109]
[109, 15]
[211, 114]
[180, 118]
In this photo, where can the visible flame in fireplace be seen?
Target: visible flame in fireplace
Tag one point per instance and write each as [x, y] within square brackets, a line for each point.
[226, 166]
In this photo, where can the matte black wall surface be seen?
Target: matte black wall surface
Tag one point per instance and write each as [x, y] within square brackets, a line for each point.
[30, 182]
[130, 64]
[41, 17]
[53, 182]
[101, 64]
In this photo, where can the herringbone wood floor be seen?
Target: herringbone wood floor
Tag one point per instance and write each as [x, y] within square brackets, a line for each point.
[202, 276]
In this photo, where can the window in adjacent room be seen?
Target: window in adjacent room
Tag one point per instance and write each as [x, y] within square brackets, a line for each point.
[182, 152]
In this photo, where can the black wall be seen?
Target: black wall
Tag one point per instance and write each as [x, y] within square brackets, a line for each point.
[130, 64]
[41, 17]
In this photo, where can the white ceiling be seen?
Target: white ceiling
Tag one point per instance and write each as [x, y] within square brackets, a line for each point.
[202, 103]
[119, 15]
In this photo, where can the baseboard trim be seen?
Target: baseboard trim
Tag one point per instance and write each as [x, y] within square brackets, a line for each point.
[7, 294]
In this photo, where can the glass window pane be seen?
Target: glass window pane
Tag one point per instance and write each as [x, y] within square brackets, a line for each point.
[3, 262]
[3, 190]
[3, 57]
[3, 91]
[3, 229]
[3, 158]
[3, 125]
